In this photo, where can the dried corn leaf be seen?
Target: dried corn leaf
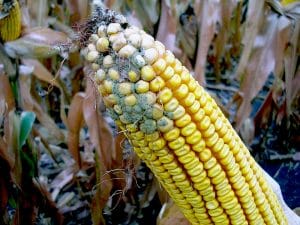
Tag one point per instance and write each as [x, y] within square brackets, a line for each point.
[37, 43]
[30, 104]
[254, 19]
[167, 27]
[75, 121]
[210, 15]
[266, 58]
[100, 133]
[40, 71]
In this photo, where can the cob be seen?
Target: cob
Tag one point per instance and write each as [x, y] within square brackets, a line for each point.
[10, 24]
[176, 127]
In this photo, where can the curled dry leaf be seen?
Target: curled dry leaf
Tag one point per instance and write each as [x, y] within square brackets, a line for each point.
[254, 18]
[210, 15]
[75, 121]
[167, 27]
[100, 133]
[37, 43]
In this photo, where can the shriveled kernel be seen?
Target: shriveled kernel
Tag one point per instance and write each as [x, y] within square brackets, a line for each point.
[150, 55]
[171, 105]
[182, 91]
[110, 100]
[118, 109]
[152, 137]
[147, 41]
[157, 111]
[91, 47]
[183, 121]
[107, 84]
[102, 44]
[164, 124]
[141, 86]
[157, 84]
[125, 88]
[130, 100]
[159, 66]
[127, 51]
[119, 43]
[102, 31]
[99, 76]
[165, 95]
[108, 61]
[135, 39]
[133, 76]
[160, 47]
[92, 56]
[113, 74]
[113, 28]
[147, 73]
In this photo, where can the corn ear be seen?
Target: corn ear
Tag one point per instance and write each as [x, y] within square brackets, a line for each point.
[176, 127]
[10, 25]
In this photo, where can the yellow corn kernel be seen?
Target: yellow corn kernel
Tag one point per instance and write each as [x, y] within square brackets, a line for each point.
[179, 112]
[182, 91]
[125, 88]
[174, 82]
[142, 86]
[102, 44]
[177, 143]
[169, 57]
[157, 144]
[188, 129]
[165, 95]
[157, 84]
[171, 105]
[133, 76]
[185, 76]
[194, 138]
[168, 73]
[183, 121]
[171, 135]
[159, 66]
[147, 73]
[130, 100]
[113, 74]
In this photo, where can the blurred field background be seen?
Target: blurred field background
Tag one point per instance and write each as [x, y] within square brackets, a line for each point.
[62, 160]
